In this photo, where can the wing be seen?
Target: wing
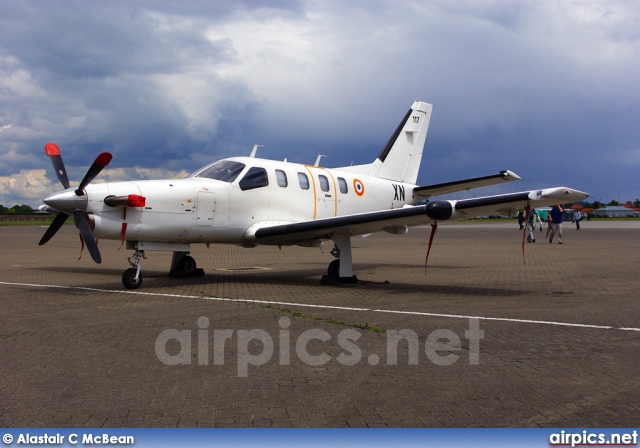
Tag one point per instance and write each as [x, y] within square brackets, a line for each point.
[466, 184]
[396, 221]
[506, 204]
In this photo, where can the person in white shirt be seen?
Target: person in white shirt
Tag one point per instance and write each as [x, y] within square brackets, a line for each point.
[577, 217]
[531, 225]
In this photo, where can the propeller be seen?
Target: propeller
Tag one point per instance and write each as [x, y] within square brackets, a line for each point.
[87, 235]
[58, 221]
[72, 202]
[53, 152]
[98, 165]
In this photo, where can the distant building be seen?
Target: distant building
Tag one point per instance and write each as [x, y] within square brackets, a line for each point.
[615, 212]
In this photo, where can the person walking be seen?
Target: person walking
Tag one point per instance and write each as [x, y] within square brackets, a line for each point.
[521, 219]
[577, 217]
[531, 225]
[555, 216]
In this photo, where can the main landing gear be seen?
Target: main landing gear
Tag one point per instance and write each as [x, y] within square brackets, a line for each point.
[340, 270]
[182, 265]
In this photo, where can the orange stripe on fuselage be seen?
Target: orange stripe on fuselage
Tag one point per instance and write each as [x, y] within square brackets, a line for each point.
[315, 195]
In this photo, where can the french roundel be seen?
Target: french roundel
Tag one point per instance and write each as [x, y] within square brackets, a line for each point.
[358, 187]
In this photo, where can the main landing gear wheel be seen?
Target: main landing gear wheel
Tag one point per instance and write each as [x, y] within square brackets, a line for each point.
[187, 265]
[129, 279]
[183, 265]
[342, 264]
[334, 269]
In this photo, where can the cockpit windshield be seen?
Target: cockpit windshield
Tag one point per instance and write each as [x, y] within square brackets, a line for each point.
[224, 170]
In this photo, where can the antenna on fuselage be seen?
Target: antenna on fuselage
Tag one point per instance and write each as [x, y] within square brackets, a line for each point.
[255, 150]
[320, 156]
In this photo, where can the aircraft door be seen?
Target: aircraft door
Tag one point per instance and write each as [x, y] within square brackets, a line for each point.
[325, 192]
[205, 208]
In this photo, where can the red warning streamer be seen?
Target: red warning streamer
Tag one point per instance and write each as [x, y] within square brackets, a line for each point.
[434, 226]
[122, 234]
[82, 248]
[124, 229]
[526, 223]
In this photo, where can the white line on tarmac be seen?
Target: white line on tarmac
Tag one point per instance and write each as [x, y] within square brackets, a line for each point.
[333, 307]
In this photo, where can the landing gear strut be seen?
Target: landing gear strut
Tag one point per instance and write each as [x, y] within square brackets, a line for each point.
[132, 277]
[340, 270]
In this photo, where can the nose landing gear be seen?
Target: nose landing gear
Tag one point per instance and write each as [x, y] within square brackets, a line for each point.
[182, 265]
[132, 277]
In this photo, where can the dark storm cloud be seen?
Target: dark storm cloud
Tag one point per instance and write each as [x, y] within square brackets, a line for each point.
[546, 89]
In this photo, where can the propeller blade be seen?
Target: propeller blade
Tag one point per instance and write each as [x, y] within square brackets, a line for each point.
[53, 152]
[101, 161]
[53, 228]
[87, 235]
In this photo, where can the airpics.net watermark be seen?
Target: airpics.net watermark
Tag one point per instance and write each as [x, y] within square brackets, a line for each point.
[256, 347]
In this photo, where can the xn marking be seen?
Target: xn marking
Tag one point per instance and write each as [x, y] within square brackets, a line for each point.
[399, 192]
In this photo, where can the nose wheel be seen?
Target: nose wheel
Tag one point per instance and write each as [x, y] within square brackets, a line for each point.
[132, 277]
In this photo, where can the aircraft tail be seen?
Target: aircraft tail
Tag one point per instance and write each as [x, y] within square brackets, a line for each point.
[400, 159]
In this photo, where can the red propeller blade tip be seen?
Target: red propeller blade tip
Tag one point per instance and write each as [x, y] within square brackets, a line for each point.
[52, 149]
[103, 159]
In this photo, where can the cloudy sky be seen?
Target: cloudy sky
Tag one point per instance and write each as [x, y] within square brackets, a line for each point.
[550, 90]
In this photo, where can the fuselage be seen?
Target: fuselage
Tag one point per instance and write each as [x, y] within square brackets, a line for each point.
[226, 202]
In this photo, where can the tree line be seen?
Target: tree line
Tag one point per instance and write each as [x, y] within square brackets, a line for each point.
[16, 209]
[612, 203]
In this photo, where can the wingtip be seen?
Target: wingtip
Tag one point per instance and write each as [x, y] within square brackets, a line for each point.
[565, 194]
[510, 175]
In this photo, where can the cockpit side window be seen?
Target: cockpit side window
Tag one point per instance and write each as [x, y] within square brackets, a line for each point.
[255, 178]
[224, 170]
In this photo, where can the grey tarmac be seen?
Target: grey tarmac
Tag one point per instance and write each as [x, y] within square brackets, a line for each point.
[560, 345]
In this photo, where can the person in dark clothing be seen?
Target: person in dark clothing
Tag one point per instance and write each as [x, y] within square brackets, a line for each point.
[521, 219]
[555, 215]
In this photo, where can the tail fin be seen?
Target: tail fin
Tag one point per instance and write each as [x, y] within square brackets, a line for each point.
[400, 159]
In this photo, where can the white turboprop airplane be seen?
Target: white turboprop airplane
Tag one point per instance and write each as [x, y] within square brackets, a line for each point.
[249, 201]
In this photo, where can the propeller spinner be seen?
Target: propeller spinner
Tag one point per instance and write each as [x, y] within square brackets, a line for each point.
[73, 202]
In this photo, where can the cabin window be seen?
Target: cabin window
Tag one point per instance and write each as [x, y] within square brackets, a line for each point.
[324, 182]
[343, 185]
[304, 181]
[282, 178]
[224, 170]
[255, 178]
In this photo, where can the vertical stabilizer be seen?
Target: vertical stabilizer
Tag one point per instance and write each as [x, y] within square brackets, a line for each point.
[400, 159]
